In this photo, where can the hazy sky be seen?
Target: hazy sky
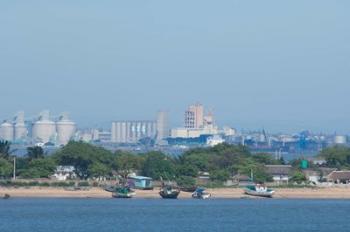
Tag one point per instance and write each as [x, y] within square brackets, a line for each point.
[278, 65]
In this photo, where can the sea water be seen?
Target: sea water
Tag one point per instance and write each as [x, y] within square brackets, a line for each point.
[99, 215]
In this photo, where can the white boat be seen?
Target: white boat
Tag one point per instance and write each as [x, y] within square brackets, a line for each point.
[200, 193]
[258, 191]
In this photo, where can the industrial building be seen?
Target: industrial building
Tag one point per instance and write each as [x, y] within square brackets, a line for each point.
[133, 131]
[20, 129]
[163, 131]
[196, 124]
[6, 131]
[194, 116]
[41, 130]
[65, 129]
[44, 130]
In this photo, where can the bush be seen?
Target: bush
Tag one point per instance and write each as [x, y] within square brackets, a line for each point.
[219, 175]
[84, 184]
[186, 182]
[44, 184]
[62, 184]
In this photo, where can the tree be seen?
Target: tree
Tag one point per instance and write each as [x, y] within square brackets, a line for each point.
[157, 165]
[298, 177]
[5, 149]
[98, 170]
[126, 162]
[5, 168]
[186, 170]
[267, 159]
[35, 152]
[338, 156]
[82, 156]
[219, 175]
[186, 182]
[40, 168]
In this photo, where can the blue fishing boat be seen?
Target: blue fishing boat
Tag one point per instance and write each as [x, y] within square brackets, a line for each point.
[200, 193]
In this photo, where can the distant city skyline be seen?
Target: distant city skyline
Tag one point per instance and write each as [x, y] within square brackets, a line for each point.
[281, 66]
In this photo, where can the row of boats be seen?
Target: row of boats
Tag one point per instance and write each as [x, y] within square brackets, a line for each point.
[172, 192]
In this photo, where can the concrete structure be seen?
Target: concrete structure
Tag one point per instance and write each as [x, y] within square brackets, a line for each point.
[65, 129]
[162, 126]
[21, 131]
[215, 140]
[279, 173]
[339, 177]
[63, 173]
[6, 131]
[312, 176]
[133, 131]
[340, 140]
[193, 133]
[194, 116]
[44, 130]
[104, 136]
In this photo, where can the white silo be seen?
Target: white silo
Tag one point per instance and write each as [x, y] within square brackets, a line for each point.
[44, 130]
[21, 131]
[6, 131]
[65, 129]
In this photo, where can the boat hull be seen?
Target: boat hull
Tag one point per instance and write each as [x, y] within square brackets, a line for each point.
[202, 197]
[267, 194]
[172, 195]
[123, 195]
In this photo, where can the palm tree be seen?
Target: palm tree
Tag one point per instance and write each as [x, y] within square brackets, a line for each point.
[35, 152]
[5, 149]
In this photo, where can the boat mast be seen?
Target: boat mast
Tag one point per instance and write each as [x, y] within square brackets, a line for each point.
[251, 175]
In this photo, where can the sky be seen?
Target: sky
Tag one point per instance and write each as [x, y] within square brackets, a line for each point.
[279, 65]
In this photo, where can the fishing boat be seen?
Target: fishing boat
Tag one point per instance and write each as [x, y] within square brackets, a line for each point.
[258, 191]
[6, 196]
[123, 192]
[200, 193]
[169, 192]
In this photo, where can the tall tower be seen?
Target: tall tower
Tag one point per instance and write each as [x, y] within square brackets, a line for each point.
[194, 116]
[162, 126]
[21, 131]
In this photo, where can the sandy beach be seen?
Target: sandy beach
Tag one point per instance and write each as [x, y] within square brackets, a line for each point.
[234, 193]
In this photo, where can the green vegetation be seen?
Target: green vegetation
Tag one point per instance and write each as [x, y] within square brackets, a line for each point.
[337, 157]
[5, 168]
[298, 177]
[35, 152]
[90, 161]
[221, 162]
[5, 149]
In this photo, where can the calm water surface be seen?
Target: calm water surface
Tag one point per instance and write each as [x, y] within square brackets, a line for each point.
[173, 215]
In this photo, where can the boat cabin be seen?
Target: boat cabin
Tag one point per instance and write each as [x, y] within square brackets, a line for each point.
[140, 182]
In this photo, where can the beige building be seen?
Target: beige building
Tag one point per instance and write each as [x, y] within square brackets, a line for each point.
[194, 116]
[132, 131]
[162, 126]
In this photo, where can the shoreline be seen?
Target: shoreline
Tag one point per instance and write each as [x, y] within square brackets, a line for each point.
[219, 193]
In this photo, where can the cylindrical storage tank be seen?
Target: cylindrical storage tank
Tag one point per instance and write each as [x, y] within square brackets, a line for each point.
[340, 139]
[44, 130]
[65, 131]
[6, 131]
[21, 132]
